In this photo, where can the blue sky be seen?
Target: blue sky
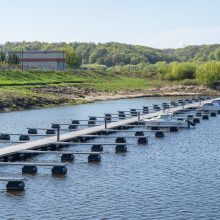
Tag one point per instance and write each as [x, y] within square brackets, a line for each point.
[154, 23]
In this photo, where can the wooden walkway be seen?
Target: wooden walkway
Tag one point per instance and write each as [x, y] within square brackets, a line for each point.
[90, 130]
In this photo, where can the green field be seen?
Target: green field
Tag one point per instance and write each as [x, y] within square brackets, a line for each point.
[30, 89]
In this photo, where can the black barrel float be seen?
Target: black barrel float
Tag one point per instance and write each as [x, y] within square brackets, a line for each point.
[121, 140]
[5, 137]
[108, 117]
[97, 148]
[173, 129]
[67, 157]
[73, 127]
[121, 115]
[54, 147]
[173, 103]
[218, 111]
[94, 158]
[9, 158]
[154, 128]
[120, 149]
[133, 112]
[32, 131]
[157, 108]
[15, 186]
[59, 170]
[22, 156]
[198, 114]
[55, 126]
[213, 114]
[196, 120]
[75, 122]
[24, 137]
[145, 110]
[50, 131]
[139, 133]
[29, 169]
[159, 134]
[92, 120]
[205, 117]
[76, 140]
[142, 140]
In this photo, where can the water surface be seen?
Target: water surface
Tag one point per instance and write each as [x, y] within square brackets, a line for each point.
[176, 177]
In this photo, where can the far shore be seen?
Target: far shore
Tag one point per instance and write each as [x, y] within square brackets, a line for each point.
[15, 103]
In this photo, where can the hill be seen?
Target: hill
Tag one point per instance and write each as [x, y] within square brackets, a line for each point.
[113, 54]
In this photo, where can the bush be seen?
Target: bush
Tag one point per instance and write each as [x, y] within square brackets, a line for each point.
[208, 73]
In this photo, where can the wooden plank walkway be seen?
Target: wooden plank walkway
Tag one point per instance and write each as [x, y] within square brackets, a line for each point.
[90, 130]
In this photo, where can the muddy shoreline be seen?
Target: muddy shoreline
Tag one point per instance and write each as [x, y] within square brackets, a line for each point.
[67, 95]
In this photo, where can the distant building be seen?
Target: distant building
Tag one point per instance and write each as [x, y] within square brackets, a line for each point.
[45, 60]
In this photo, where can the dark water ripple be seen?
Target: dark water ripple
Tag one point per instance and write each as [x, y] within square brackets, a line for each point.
[173, 178]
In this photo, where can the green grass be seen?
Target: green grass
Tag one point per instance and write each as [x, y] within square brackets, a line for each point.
[36, 77]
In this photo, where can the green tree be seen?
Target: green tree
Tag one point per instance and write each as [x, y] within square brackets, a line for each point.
[217, 54]
[2, 56]
[208, 73]
[73, 60]
[12, 59]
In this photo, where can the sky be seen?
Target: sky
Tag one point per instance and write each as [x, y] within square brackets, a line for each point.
[154, 23]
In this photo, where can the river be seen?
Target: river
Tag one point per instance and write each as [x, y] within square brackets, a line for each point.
[176, 177]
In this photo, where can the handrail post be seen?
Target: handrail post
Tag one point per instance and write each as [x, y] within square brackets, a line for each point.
[105, 123]
[139, 116]
[58, 134]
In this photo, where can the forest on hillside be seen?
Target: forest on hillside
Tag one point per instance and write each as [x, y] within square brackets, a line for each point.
[198, 64]
[118, 54]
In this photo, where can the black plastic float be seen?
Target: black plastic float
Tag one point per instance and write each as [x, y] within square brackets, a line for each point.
[205, 117]
[120, 149]
[154, 128]
[5, 137]
[196, 120]
[139, 133]
[198, 114]
[213, 114]
[76, 122]
[133, 112]
[24, 137]
[15, 186]
[55, 126]
[32, 131]
[145, 110]
[108, 117]
[67, 158]
[50, 131]
[120, 140]
[121, 115]
[97, 148]
[59, 170]
[73, 127]
[94, 158]
[142, 140]
[173, 129]
[159, 134]
[29, 169]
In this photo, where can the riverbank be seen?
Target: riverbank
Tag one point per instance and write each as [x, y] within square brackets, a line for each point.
[52, 96]
[29, 90]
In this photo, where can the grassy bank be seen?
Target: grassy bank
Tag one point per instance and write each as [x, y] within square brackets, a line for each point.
[31, 89]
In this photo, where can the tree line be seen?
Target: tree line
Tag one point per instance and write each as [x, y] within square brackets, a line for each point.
[118, 54]
[206, 73]
[200, 63]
